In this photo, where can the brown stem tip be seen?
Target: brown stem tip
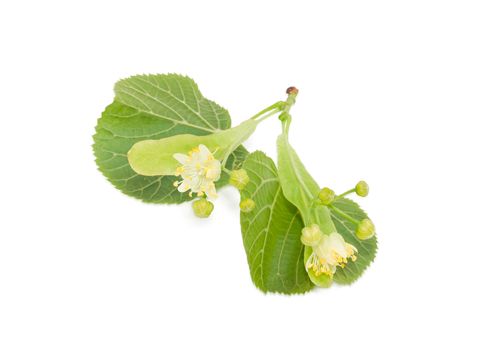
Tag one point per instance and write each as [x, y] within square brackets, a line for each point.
[292, 90]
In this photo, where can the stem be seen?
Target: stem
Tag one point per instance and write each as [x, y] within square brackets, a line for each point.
[291, 99]
[346, 216]
[268, 115]
[345, 193]
[259, 117]
[276, 107]
[285, 117]
[286, 124]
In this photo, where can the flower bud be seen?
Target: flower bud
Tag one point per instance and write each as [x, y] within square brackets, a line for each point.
[365, 230]
[283, 116]
[239, 178]
[247, 205]
[362, 188]
[311, 235]
[326, 196]
[202, 208]
[292, 90]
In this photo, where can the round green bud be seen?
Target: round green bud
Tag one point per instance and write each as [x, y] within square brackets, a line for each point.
[202, 208]
[283, 116]
[311, 235]
[326, 196]
[362, 188]
[239, 178]
[365, 230]
[247, 205]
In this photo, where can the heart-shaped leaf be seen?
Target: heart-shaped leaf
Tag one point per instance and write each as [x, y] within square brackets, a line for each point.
[271, 231]
[154, 107]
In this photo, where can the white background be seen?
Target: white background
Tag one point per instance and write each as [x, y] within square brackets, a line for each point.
[394, 92]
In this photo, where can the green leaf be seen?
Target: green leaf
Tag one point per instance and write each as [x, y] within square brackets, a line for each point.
[271, 231]
[367, 248]
[154, 107]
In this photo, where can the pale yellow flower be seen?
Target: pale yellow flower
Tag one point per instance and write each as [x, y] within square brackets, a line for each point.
[329, 253]
[199, 170]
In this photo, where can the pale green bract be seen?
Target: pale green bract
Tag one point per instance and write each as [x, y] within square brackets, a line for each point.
[155, 157]
[299, 186]
[152, 107]
[271, 231]
[301, 190]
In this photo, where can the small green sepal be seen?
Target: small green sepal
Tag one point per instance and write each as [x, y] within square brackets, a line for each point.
[311, 235]
[202, 208]
[247, 205]
[365, 229]
[326, 196]
[239, 178]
